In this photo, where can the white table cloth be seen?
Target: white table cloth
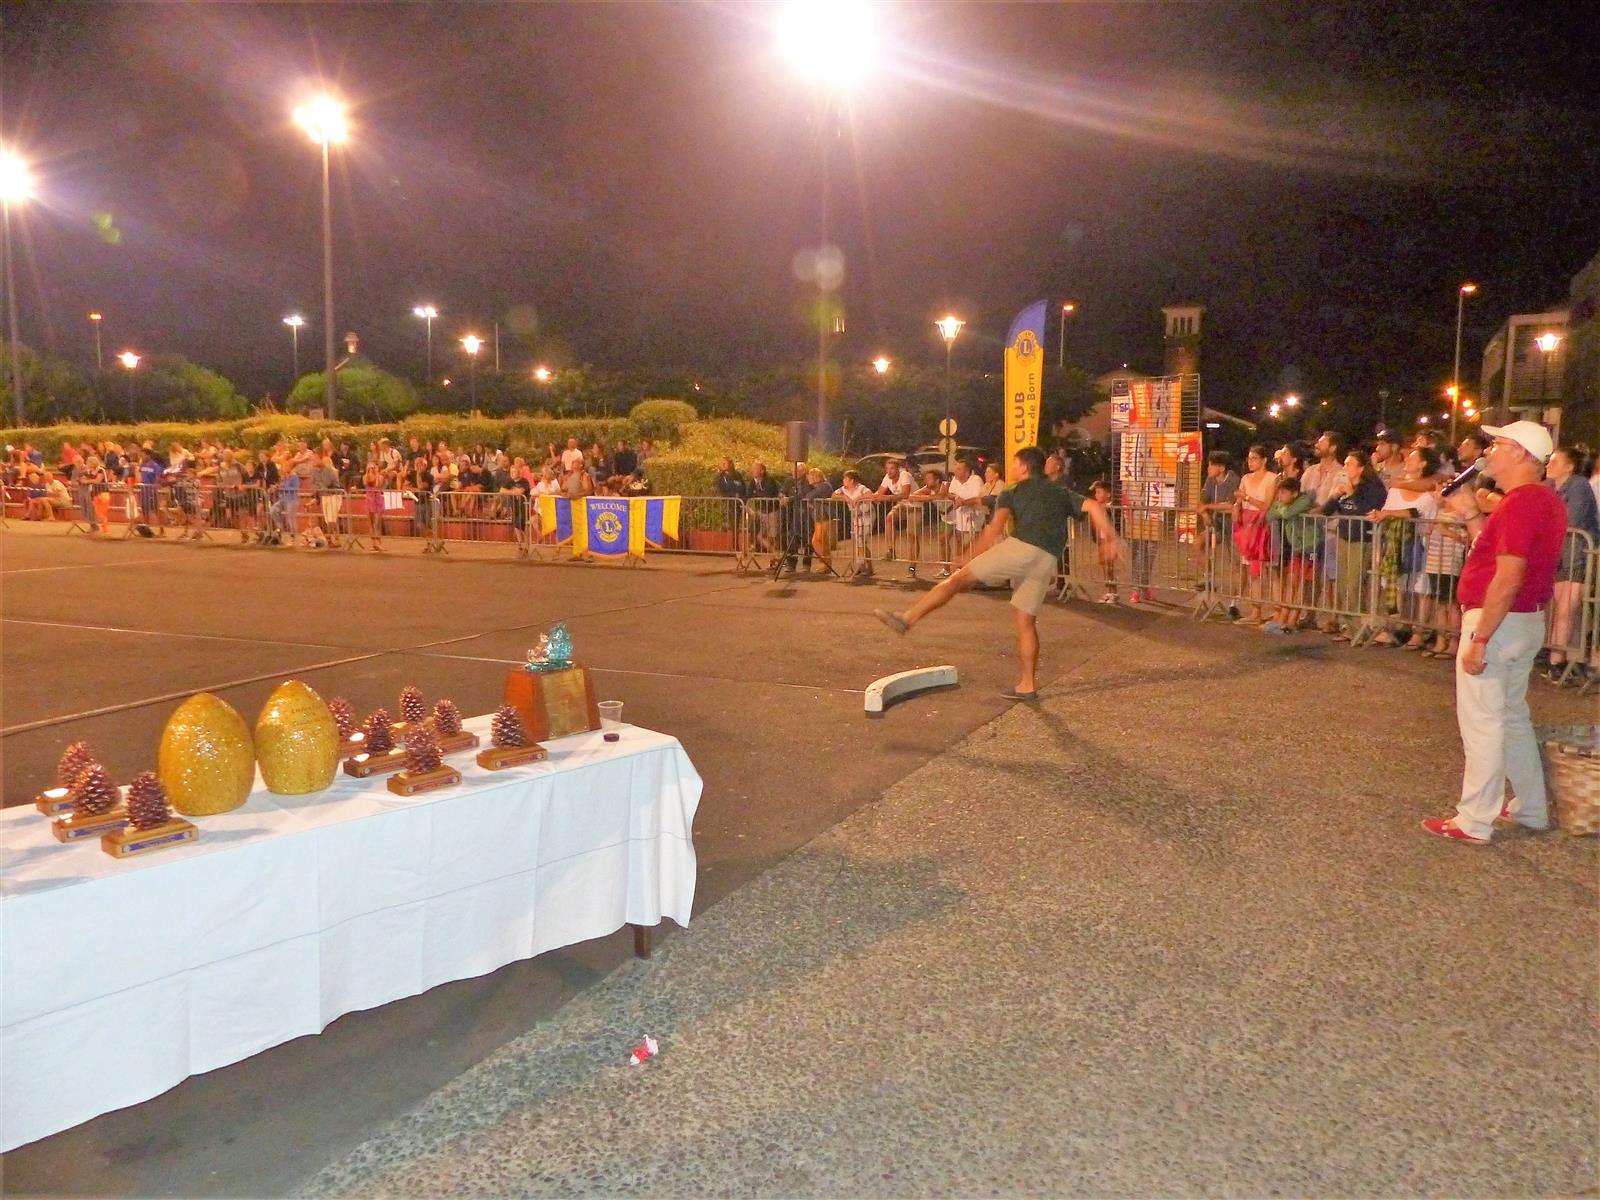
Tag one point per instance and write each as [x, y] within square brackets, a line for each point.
[120, 978]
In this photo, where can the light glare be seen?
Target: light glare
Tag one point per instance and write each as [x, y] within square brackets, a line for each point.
[948, 327]
[323, 120]
[472, 343]
[830, 42]
[295, 320]
[542, 374]
[16, 180]
[128, 359]
[880, 365]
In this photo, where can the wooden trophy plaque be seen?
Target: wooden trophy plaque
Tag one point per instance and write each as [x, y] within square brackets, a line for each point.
[131, 841]
[498, 758]
[365, 765]
[553, 704]
[455, 743]
[408, 783]
[54, 802]
[74, 828]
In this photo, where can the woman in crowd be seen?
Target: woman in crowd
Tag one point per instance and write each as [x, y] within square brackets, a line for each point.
[994, 482]
[1566, 475]
[372, 488]
[1402, 547]
[1251, 535]
[1357, 494]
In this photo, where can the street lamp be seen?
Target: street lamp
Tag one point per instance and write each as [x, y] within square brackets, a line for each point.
[1546, 342]
[948, 326]
[1067, 310]
[96, 319]
[472, 343]
[427, 312]
[129, 360]
[16, 185]
[1462, 292]
[542, 374]
[1292, 400]
[880, 365]
[325, 123]
[294, 321]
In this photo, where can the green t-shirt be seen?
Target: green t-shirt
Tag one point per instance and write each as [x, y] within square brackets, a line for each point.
[1039, 513]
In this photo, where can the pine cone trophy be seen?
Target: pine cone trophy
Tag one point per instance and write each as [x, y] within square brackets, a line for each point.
[93, 793]
[506, 728]
[446, 718]
[344, 717]
[379, 732]
[413, 708]
[147, 801]
[73, 760]
[422, 750]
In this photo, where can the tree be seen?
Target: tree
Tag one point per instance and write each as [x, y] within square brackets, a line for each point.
[366, 393]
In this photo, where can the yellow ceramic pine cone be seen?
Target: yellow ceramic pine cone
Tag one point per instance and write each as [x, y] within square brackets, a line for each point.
[206, 759]
[297, 741]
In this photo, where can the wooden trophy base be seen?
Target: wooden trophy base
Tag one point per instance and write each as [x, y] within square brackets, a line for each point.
[73, 828]
[353, 745]
[131, 841]
[454, 743]
[498, 758]
[54, 802]
[553, 704]
[408, 784]
[363, 765]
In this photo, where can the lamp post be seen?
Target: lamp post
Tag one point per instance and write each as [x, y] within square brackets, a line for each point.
[1067, 310]
[1462, 292]
[16, 185]
[324, 122]
[948, 327]
[472, 343]
[427, 312]
[1547, 342]
[542, 374]
[294, 321]
[130, 360]
[881, 365]
[96, 319]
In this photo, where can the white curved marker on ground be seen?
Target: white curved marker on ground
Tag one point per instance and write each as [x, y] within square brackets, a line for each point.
[884, 692]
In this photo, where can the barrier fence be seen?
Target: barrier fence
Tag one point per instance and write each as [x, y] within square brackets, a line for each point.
[1370, 582]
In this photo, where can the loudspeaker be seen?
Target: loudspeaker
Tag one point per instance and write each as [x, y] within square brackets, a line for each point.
[794, 441]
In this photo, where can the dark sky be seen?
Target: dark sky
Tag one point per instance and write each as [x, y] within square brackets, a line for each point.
[640, 177]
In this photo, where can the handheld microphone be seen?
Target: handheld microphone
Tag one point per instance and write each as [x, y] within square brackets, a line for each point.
[1461, 480]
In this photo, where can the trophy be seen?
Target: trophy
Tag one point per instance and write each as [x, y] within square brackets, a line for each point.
[351, 740]
[425, 769]
[553, 695]
[151, 825]
[96, 807]
[53, 802]
[381, 755]
[510, 746]
[446, 723]
[413, 708]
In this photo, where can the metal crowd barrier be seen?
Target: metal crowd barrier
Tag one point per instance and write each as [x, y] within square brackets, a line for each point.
[490, 517]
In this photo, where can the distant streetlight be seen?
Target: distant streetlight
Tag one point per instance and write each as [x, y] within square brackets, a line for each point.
[1274, 409]
[1067, 310]
[325, 123]
[472, 343]
[1546, 342]
[542, 374]
[16, 185]
[1462, 292]
[948, 326]
[96, 319]
[1423, 419]
[294, 321]
[427, 312]
[881, 365]
[1292, 400]
[129, 360]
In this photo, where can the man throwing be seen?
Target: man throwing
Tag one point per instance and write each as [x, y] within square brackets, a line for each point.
[1508, 577]
[1022, 546]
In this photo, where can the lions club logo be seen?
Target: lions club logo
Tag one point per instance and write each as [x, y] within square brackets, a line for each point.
[608, 526]
[1027, 344]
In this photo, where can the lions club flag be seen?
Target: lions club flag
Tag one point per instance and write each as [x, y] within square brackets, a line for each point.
[1024, 382]
[608, 527]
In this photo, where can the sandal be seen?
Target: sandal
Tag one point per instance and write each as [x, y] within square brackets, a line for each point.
[1013, 694]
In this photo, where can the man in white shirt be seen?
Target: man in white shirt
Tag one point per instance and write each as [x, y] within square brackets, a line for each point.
[859, 497]
[964, 516]
[571, 457]
[896, 486]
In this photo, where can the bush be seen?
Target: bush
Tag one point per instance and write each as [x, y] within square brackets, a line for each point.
[365, 394]
[661, 420]
[678, 475]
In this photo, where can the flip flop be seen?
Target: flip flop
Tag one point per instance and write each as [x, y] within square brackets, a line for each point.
[1013, 694]
[893, 620]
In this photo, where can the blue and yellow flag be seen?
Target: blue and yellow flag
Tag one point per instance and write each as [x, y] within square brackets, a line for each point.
[1024, 382]
[610, 527]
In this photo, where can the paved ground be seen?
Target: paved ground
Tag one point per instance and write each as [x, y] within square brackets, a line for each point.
[1171, 932]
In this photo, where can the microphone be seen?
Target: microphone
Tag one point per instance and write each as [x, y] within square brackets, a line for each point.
[1461, 480]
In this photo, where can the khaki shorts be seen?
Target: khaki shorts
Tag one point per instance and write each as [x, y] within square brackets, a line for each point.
[1029, 570]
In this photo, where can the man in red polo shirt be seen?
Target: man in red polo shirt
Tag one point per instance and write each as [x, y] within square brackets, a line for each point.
[1508, 577]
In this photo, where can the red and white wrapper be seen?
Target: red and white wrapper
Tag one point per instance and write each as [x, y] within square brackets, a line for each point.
[643, 1052]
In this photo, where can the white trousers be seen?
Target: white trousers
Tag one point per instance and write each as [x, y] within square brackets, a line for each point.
[1496, 727]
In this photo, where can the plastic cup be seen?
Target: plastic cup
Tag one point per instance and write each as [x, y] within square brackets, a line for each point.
[611, 719]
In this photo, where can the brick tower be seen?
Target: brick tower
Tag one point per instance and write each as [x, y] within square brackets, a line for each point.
[1181, 340]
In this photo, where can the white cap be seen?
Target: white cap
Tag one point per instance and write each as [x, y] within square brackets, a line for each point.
[1530, 435]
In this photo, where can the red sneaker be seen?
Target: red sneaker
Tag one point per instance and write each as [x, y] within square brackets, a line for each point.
[1445, 827]
[1506, 818]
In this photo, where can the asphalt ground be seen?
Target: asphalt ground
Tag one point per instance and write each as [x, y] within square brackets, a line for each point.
[1174, 767]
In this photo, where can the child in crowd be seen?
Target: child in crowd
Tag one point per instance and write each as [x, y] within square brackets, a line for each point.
[1296, 534]
[1100, 493]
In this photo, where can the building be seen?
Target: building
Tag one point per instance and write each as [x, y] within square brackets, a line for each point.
[1524, 366]
[1580, 377]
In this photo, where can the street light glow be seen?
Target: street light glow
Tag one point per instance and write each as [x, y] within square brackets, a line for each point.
[472, 343]
[1468, 288]
[1292, 400]
[96, 317]
[880, 365]
[1274, 409]
[323, 120]
[426, 311]
[542, 374]
[294, 320]
[830, 42]
[1069, 307]
[128, 359]
[16, 180]
[948, 327]
[1547, 341]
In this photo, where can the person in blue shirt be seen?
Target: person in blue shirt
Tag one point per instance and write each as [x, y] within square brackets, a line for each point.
[150, 472]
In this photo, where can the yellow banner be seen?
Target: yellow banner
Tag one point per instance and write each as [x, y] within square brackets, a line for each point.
[1024, 382]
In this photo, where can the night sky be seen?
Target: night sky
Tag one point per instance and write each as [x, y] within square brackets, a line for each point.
[639, 179]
